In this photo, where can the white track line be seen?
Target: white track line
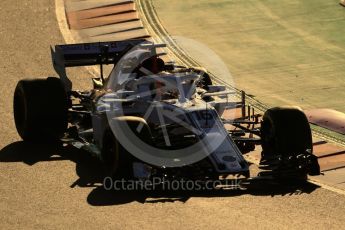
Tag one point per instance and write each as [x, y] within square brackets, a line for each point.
[62, 21]
[328, 187]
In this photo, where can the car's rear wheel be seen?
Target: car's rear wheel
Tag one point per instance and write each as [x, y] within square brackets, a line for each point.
[40, 109]
[287, 145]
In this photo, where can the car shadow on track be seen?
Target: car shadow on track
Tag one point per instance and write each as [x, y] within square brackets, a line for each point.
[88, 168]
[90, 174]
[102, 197]
[29, 154]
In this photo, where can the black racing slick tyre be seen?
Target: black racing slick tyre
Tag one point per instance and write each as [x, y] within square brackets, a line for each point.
[40, 109]
[285, 131]
[287, 145]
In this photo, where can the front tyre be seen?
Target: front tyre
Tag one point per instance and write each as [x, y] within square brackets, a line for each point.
[287, 147]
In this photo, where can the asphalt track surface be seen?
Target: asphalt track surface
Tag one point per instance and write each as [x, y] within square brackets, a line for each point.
[44, 187]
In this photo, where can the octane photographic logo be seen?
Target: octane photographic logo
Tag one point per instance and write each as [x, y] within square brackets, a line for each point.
[175, 127]
[170, 185]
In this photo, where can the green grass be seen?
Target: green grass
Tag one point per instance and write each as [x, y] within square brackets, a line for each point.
[287, 52]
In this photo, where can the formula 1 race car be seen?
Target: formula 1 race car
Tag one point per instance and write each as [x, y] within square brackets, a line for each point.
[155, 118]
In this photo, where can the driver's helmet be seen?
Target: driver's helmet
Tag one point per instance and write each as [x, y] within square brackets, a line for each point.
[150, 66]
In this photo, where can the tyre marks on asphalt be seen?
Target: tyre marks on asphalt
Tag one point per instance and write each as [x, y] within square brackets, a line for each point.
[104, 20]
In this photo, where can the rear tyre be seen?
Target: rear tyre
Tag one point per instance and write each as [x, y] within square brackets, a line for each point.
[40, 109]
[287, 145]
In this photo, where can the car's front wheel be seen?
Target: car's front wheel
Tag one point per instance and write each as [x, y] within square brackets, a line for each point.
[287, 147]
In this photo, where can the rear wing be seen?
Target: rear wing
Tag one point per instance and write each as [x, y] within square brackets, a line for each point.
[85, 54]
[99, 53]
